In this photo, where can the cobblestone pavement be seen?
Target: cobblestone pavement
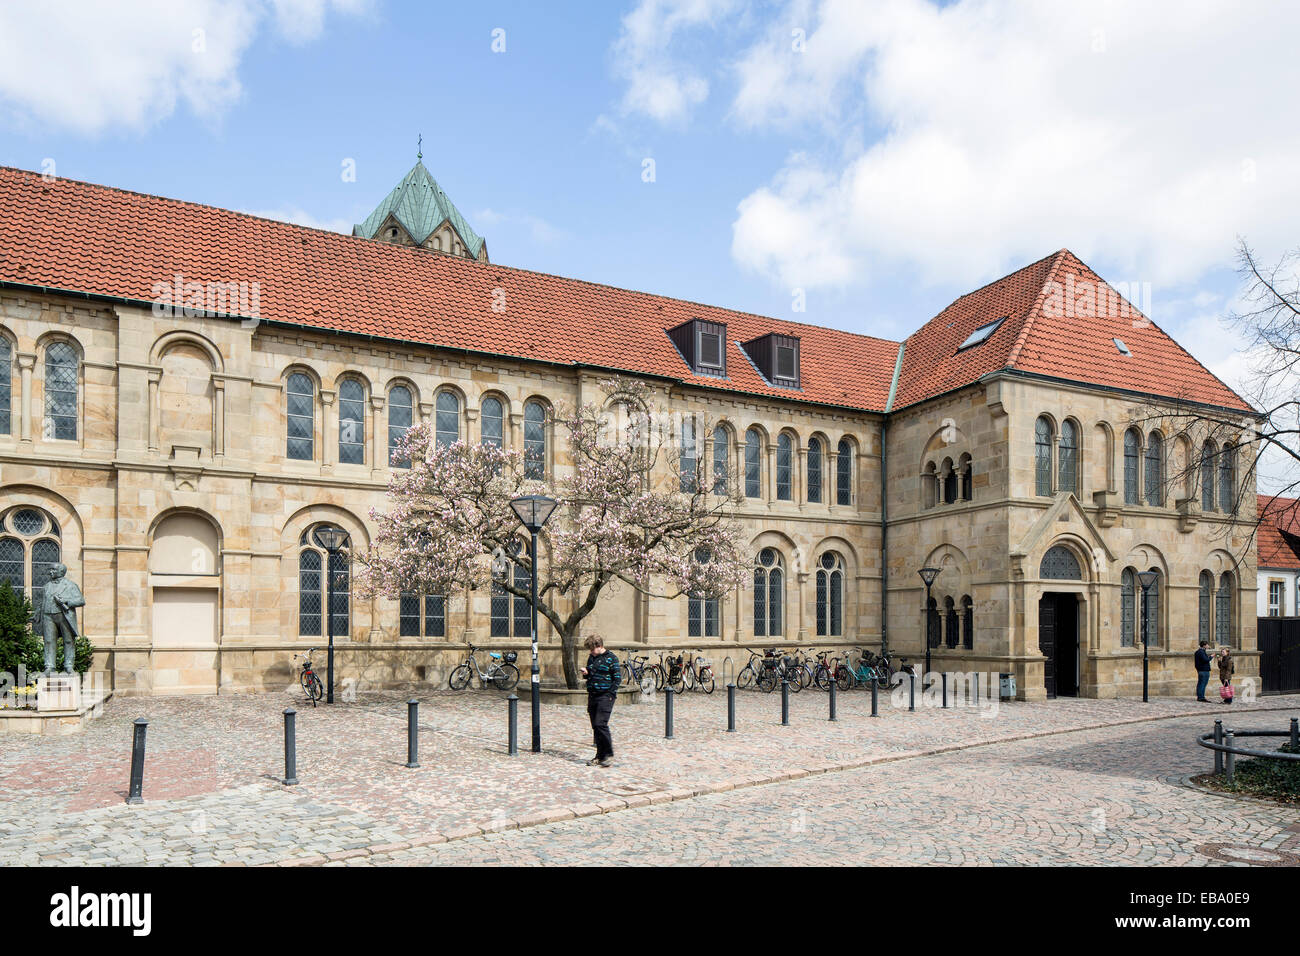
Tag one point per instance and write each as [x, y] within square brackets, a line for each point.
[214, 794]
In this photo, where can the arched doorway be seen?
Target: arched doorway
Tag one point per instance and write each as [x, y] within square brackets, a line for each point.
[1058, 623]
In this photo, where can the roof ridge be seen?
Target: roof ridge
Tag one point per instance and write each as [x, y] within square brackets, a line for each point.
[1032, 312]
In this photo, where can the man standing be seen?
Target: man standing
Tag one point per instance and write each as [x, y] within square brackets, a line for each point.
[603, 677]
[1203, 660]
[59, 602]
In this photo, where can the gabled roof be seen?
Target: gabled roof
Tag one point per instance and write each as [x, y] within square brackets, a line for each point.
[420, 205]
[64, 235]
[1278, 537]
[1061, 320]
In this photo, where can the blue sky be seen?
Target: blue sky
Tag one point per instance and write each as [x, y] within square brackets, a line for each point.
[881, 158]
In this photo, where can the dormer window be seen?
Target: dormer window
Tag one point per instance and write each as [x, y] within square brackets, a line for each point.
[981, 334]
[776, 357]
[703, 345]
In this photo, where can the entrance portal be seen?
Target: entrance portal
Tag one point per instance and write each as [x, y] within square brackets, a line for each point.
[1058, 639]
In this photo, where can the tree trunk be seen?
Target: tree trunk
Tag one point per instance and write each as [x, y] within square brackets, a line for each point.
[569, 652]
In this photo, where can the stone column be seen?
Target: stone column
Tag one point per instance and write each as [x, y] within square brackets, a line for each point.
[26, 362]
[798, 473]
[515, 439]
[378, 438]
[155, 411]
[471, 425]
[218, 418]
[329, 430]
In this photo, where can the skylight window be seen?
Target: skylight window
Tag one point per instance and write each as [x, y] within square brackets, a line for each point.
[1123, 349]
[981, 334]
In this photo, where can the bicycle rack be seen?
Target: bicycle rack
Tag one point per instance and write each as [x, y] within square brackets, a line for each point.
[728, 680]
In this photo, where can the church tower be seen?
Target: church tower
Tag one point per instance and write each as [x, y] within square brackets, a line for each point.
[418, 213]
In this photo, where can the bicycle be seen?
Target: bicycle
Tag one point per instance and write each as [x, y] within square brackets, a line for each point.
[311, 684]
[636, 670]
[501, 673]
[780, 668]
[832, 670]
[701, 672]
[748, 676]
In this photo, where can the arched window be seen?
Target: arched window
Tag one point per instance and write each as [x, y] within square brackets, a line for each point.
[29, 548]
[784, 454]
[408, 614]
[492, 427]
[534, 441]
[968, 623]
[966, 478]
[929, 485]
[1060, 564]
[1223, 611]
[830, 595]
[1151, 612]
[844, 473]
[721, 459]
[950, 480]
[703, 611]
[300, 412]
[1207, 476]
[1204, 606]
[1067, 458]
[352, 423]
[446, 421]
[61, 379]
[934, 623]
[508, 609]
[1132, 452]
[950, 622]
[688, 459]
[400, 417]
[324, 581]
[1155, 471]
[814, 470]
[769, 594]
[1043, 456]
[1127, 607]
[753, 463]
[6, 385]
[1228, 479]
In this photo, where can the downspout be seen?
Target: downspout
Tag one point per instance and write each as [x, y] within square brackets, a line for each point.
[884, 504]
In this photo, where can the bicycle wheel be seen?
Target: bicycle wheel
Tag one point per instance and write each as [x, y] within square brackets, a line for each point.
[794, 682]
[768, 680]
[312, 687]
[506, 677]
[746, 679]
[658, 673]
[822, 677]
[805, 676]
[688, 678]
[461, 677]
[705, 681]
[628, 676]
[843, 678]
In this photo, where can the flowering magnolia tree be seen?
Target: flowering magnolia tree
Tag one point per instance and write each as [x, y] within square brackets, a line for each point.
[632, 513]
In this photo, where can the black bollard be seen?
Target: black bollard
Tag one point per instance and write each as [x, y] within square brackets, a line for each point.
[135, 793]
[668, 713]
[1218, 739]
[290, 748]
[1295, 735]
[978, 677]
[785, 703]
[832, 700]
[413, 733]
[512, 707]
[1231, 762]
[945, 689]
[731, 708]
[911, 692]
[875, 697]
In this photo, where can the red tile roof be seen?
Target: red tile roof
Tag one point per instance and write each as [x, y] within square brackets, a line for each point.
[80, 237]
[1278, 537]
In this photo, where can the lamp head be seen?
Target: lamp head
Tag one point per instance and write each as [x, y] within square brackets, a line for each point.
[1148, 578]
[533, 511]
[331, 539]
[929, 574]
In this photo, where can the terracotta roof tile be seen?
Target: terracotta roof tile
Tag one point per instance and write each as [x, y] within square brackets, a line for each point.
[1278, 536]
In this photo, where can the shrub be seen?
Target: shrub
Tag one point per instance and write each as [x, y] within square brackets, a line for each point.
[18, 645]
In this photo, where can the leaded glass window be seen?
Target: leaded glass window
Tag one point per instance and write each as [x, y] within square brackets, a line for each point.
[400, 418]
[1043, 457]
[408, 614]
[1205, 603]
[492, 430]
[1060, 564]
[61, 380]
[950, 622]
[446, 429]
[6, 385]
[1067, 458]
[933, 623]
[324, 586]
[1223, 611]
[1207, 476]
[309, 593]
[769, 593]
[352, 423]
[512, 610]
[830, 595]
[703, 616]
[1228, 479]
[300, 411]
[687, 460]
[29, 548]
[721, 459]
[1127, 607]
[435, 615]
[784, 453]
[534, 441]
[753, 463]
[1155, 471]
[814, 470]
[1132, 450]
[1151, 612]
[844, 473]
[968, 623]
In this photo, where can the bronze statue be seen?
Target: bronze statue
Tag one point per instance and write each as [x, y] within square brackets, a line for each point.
[59, 602]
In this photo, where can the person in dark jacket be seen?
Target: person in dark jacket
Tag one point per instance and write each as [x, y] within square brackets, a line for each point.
[603, 676]
[1203, 661]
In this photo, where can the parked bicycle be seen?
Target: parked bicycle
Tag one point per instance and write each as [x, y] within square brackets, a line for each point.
[311, 684]
[636, 668]
[831, 669]
[501, 672]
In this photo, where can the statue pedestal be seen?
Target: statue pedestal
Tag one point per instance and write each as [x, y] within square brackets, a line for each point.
[58, 692]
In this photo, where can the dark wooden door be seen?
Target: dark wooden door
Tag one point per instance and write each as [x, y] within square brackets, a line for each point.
[1047, 641]
[1279, 649]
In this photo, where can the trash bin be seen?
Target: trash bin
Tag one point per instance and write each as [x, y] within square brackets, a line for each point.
[1007, 686]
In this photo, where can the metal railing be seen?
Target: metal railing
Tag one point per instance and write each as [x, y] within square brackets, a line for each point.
[1224, 744]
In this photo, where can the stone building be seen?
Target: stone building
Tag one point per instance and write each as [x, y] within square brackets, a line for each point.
[187, 392]
[1278, 548]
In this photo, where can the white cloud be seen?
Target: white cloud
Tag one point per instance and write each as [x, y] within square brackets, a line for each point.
[300, 217]
[90, 66]
[538, 229]
[659, 85]
[1148, 135]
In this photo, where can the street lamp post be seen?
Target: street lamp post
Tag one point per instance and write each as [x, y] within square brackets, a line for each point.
[333, 541]
[927, 575]
[1146, 579]
[533, 511]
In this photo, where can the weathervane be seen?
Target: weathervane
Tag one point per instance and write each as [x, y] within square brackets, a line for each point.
[419, 147]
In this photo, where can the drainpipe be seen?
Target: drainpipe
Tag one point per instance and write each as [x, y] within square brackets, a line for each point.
[884, 504]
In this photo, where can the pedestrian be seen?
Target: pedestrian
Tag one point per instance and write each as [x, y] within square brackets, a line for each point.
[603, 677]
[1226, 669]
[1202, 671]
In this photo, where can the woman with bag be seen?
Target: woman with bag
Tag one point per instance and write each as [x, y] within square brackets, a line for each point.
[1226, 669]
